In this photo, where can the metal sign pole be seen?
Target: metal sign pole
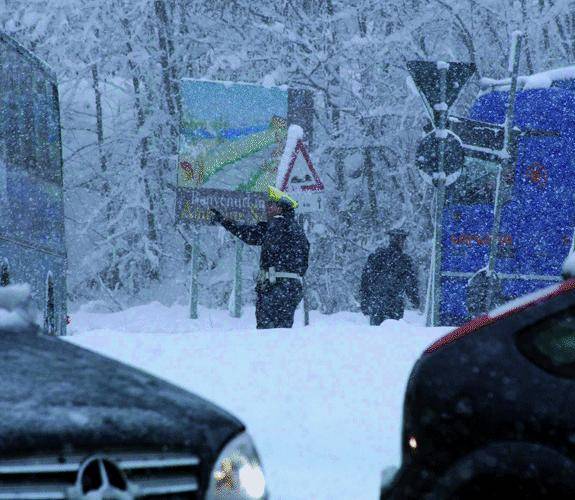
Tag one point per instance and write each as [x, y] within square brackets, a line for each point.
[440, 154]
[194, 273]
[430, 296]
[503, 167]
[440, 189]
[305, 304]
[237, 313]
[305, 300]
[438, 251]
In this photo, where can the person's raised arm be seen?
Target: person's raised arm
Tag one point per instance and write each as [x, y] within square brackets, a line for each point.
[250, 234]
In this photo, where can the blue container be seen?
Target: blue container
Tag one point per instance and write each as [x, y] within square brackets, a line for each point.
[539, 211]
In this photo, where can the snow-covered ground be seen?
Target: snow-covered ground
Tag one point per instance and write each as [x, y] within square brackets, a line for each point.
[322, 402]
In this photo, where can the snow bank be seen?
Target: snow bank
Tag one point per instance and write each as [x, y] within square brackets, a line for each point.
[323, 403]
[16, 312]
[14, 296]
[12, 322]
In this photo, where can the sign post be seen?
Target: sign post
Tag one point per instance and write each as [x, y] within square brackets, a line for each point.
[297, 175]
[305, 301]
[440, 154]
[440, 186]
[194, 273]
[232, 136]
[237, 312]
[514, 57]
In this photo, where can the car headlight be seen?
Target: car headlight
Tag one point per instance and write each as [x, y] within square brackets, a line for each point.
[238, 473]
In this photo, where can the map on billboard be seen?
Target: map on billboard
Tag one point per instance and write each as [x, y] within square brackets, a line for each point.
[232, 137]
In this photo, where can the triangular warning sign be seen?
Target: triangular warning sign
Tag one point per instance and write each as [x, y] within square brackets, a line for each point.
[300, 174]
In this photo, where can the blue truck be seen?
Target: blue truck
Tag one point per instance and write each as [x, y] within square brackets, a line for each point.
[538, 214]
[32, 244]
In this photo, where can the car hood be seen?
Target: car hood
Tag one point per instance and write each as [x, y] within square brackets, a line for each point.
[55, 396]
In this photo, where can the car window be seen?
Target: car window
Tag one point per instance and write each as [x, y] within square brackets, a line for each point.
[550, 343]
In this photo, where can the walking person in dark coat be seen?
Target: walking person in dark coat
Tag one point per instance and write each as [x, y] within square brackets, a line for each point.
[387, 277]
[283, 259]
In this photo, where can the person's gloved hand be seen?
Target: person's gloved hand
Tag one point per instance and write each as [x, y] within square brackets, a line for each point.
[217, 216]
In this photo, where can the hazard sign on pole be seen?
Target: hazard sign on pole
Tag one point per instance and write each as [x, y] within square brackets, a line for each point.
[297, 174]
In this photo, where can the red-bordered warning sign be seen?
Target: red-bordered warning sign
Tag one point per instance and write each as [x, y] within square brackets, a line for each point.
[301, 175]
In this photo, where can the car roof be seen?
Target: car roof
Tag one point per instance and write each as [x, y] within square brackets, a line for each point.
[504, 311]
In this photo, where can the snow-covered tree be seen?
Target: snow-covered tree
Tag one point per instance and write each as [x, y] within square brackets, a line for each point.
[119, 64]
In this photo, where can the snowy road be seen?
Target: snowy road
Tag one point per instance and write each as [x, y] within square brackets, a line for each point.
[323, 403]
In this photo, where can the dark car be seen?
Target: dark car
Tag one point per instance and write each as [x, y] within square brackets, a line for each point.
[76, 425]
[489, 410]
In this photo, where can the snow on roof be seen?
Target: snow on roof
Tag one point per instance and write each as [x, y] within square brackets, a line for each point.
[541, 80]
[228, 83]
[16, 311]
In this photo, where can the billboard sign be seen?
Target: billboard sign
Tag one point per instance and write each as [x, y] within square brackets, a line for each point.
[232, 137]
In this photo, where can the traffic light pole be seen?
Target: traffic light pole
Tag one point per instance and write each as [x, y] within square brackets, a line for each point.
[504, 167]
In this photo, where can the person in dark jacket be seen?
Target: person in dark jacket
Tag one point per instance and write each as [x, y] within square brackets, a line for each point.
[387, 277]
[283, 259]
